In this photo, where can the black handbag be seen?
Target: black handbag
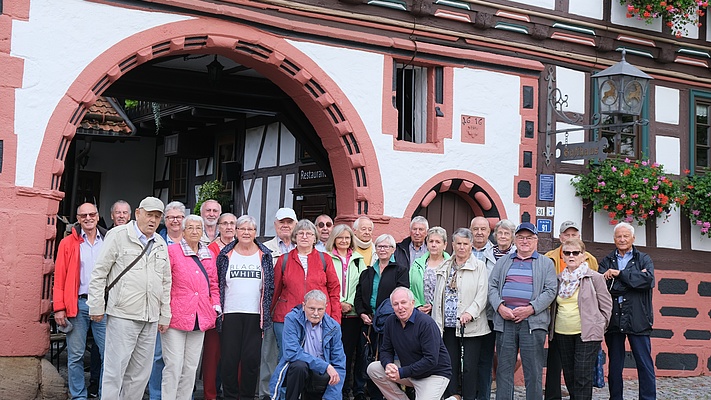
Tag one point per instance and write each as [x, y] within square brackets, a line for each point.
[369, 354]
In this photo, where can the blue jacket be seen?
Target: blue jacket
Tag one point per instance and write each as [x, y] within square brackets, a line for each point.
[293, 339]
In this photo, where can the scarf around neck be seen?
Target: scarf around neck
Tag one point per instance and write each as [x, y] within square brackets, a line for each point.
[571, 280]
[361, 244]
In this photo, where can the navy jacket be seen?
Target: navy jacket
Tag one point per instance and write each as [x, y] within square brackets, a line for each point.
[634, 285]
[393, 276]
[418, 346]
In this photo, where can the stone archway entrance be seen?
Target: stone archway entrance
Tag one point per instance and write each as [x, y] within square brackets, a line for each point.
[358, 186]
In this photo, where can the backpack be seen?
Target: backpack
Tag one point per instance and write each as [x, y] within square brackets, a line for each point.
[283, 262]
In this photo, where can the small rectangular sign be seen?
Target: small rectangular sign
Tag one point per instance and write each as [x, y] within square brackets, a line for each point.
[540, 211]
[473, 129]
[544, 225]
[546, 187]
[550, 211]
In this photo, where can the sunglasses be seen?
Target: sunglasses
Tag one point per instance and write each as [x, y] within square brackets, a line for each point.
[326, 224]
[87, 215]
[572, 253]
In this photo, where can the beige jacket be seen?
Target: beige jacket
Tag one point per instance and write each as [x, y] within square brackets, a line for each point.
[143, 293]
[473, 284]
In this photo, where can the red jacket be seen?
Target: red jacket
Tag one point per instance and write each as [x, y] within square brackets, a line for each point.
[290, 287]
[67, 272]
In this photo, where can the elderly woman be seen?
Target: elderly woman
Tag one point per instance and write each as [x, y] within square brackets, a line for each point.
[422, 272]
[349, 264]
[376, 284]
[194, 304]
[226, 227]
[460, 312]
[246, 279]
[503, 234]
[300, 271]
[581, 313]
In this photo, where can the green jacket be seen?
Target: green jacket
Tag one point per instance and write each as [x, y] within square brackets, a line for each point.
[356, 265]
[417, 277]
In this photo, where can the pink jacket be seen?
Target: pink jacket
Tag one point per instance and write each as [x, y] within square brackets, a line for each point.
[190, 294]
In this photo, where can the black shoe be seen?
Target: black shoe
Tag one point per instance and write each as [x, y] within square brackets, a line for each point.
[93, 390]
[360, 396]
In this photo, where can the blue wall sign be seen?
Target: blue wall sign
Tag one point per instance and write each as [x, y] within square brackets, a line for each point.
[546, 187]
[544, 225]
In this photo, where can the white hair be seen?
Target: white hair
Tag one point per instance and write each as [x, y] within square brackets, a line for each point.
[623, 225]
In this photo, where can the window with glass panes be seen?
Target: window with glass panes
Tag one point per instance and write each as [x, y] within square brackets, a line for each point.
[702, 144]
[628, 143]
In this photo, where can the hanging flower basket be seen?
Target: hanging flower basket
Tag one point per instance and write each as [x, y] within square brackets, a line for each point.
[697, 191]
[628, 190]
[676, 14]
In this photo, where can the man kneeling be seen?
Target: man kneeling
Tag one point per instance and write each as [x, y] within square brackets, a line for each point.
[414, 337]
[314, 364]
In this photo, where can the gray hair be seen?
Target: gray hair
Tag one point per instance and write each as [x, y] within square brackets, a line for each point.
[193, 217]
[244, 219]
[304, 225]
[385, 237]
[204, 203]
[315, 295]
[175, 205]
[462, 233]
[410, 295]
[337, 230]
[623, 225]
[420, 220]
[505, 224]
[437, 230]
[113, 206]
[356, 223]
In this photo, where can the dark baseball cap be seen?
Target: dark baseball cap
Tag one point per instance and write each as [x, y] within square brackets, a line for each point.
[527, 226]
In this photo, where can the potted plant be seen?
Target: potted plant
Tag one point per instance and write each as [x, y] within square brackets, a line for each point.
[676, 14]
[210, 190]
[628, 190]
[697, 193]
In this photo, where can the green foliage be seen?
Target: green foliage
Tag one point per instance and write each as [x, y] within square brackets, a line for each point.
[211, 190]
[628, 191]
[129, 104]
[697, 191]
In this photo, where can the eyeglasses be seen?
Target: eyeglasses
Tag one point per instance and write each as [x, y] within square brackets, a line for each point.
[383, 247]
[228, 223]
[174, 218]
[526, 238]
[246, 229]
[326, 224]
[572, 253]
[304, 234]
[87, 215]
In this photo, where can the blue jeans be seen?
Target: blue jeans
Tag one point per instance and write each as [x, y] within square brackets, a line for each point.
[278, 331]
[76, 345]
[156, 378]
[530, 342]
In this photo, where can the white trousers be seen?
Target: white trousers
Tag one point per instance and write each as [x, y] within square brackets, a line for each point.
[128, 358]
[430, 388]
[181, 355]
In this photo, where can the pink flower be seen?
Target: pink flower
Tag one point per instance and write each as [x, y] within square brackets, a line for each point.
[627, 160]
[645, 180]
[644, 163]
[651, 212]
[698, 222]
[614, 169]
[696, 213]
[633, 203]
[629, 219]
[704, 230]
[601, 183]
[655, 187]
[622, 196]
[706, 225]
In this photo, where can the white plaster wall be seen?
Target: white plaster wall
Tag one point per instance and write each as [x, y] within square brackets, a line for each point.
[132, 182]
[603, 231]
[473, 91]
[668, 150]
[586, 8]
[56, 44]
[571, 83]
[618, 17]
[699, 242]
[568, 207]
[669, 231]
[573, 137]
[549, 4]
[666, 105]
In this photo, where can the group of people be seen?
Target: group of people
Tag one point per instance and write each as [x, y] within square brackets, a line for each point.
[328, 311]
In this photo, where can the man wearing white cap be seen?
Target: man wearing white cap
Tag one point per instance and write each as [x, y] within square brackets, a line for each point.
[133, 272]
[284, 223]
[568, 230]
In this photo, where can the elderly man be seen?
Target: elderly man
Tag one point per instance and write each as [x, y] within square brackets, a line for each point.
[76, 257]
[630, 279]
[210, 212]
[284, 224]
[412, 247]
[135, 259]
[521, 287]
[324, 225]
[568, 230]
[314, 364]
[120, 213]
[363, 232]
[423, 361]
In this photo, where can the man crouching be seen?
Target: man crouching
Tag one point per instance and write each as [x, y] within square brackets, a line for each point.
[314, 363]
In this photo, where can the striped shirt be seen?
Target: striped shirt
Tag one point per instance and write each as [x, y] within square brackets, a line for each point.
[518, 286]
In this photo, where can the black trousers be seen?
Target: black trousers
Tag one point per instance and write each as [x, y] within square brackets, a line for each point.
[351, 334]
[373, 391]
[472, 351]
[300, 377]
[240, 353]
[553, 369]
[578, 359]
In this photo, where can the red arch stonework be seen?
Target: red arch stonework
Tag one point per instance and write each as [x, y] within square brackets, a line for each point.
[358, 186]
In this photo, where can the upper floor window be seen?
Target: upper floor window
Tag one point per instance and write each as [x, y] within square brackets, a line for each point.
[411, 102]
[627, 144]
[702, 130]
